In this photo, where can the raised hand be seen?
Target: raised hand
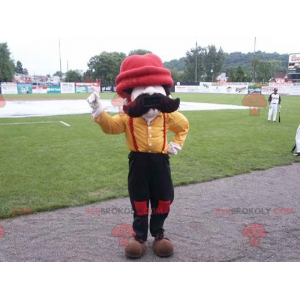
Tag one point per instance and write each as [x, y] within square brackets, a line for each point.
[95, 103]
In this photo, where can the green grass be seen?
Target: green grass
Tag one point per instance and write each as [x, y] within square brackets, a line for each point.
[49, 166]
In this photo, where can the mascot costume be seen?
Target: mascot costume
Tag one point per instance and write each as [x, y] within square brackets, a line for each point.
[149, 112]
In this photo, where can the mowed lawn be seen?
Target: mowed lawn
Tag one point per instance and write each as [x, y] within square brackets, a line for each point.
[49, 166]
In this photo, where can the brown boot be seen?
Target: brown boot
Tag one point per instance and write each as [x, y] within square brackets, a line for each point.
[135, 249]
[162, 246]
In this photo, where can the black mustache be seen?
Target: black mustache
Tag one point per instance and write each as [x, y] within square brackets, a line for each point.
[145, 102]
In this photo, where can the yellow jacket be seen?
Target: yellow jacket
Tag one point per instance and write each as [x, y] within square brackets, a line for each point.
[146, 138]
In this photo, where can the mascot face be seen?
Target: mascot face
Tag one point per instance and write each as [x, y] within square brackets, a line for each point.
[150, 90]
[145, 83]
[149, 101]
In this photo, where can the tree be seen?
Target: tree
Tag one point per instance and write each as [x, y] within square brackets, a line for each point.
[87, 76]
[265, 70]
[73, 76]
[105, 66]
[25, 71]
[194, 61]
[254, 62]
[248, 75]
[239, 74]
[178, 64]
[177, 76]
[139, 52]
[213, 61]
[233, 60]
[58, 73]
[6, 64]
[19, 67]
[232, 74]
[206, 59]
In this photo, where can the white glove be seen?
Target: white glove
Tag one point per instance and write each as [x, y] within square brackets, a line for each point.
[95, 103]
[173, 148]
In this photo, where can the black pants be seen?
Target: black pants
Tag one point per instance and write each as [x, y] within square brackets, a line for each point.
[149, 179]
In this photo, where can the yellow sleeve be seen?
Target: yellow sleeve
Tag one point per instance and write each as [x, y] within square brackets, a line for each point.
[111, 125]
[179, 125]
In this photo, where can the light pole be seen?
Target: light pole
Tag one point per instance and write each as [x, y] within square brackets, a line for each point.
[254, 62]
[60, 61]
[196, 70]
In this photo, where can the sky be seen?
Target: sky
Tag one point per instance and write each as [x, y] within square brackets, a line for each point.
[167, 28]
[41, 56]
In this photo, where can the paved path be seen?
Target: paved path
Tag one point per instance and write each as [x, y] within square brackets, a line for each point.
[198, 232]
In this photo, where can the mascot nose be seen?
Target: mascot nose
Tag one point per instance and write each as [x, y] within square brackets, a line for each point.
[150, 90]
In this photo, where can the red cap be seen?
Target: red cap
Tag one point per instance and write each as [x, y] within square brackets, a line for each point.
[142, 70]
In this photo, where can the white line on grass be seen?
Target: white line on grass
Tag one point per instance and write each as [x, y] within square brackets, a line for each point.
[29, 123]
[66, 124]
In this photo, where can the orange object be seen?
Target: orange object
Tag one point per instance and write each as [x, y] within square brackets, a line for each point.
[2, 101]
[255, 102]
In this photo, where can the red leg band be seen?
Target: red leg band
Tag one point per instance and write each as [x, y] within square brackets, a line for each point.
[141, 208]
[163, 207]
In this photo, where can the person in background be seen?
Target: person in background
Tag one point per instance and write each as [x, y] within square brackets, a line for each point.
[298, 142]
[275, 102]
